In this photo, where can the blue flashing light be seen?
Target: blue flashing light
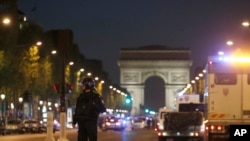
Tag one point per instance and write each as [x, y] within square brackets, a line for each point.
[229, 59]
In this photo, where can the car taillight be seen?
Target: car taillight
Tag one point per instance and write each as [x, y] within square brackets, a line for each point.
[215, 127]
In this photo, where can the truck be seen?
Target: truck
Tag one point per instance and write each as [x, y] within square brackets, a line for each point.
[224, 98]
[226, 95]
[183, 123]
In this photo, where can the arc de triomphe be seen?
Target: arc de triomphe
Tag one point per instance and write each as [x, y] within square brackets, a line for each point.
[172, 65]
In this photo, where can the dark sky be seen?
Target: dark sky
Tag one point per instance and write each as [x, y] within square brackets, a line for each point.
[102, 27]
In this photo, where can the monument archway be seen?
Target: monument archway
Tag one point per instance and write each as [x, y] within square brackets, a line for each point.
[172, 65]
[154, 86]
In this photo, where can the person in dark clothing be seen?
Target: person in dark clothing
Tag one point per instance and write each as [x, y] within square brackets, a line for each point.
[89, 105]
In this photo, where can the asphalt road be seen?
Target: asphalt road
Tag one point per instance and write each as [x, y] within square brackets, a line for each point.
[135, 135]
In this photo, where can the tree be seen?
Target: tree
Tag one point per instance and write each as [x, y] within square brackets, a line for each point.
[45, 80]
[29, 67]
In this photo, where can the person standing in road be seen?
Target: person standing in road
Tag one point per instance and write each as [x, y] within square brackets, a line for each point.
[89, 105]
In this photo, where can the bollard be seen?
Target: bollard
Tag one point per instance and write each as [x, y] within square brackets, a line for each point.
[50, 136]
[62, 127]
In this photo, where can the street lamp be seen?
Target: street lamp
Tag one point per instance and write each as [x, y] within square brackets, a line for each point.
[2, 98]
[245, 24]
[56, 110]
[230, 42]
[41, 110]
[20, 99]
[3, 107]
[49, 106]
[6, 21]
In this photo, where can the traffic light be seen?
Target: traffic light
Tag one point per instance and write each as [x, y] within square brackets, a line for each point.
[56, 88]
[68, 88]
[128, 99]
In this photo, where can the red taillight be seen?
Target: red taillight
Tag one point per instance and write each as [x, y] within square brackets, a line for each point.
[207, 128]
[215, 127]
[212, 127]
[219, 127]
[196, 134]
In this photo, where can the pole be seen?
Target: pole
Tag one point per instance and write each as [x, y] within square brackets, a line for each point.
[5, 115]
[64, 43]
[63, 106]
[2, 110]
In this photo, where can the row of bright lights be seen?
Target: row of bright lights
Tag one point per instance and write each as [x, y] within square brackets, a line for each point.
[188, 86]
[220, 58]
[117, 90]
[20, 99]
[225, 58]
[102, 81]
[89, 74]
[7, 21]
[234, 59]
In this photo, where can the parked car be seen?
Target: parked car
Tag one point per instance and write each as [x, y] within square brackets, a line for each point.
[114, 123]
[56, 126]
[31, 126]
[13, 126]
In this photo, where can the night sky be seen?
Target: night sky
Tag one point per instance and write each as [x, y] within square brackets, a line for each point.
[102, 27]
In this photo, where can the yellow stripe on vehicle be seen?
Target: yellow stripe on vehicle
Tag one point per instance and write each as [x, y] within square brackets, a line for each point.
[217, 115]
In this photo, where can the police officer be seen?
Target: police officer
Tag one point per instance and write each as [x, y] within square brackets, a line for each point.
[89, 105]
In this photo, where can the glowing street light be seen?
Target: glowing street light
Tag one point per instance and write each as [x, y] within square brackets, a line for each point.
[39, 43]
[230, 43]
[71, 63]
[6, 21]
[53, 52]
[245, 24]
[89, 74]
[2, 96]
[20, 99]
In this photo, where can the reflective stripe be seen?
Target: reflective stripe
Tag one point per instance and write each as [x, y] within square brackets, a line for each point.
[217, 115]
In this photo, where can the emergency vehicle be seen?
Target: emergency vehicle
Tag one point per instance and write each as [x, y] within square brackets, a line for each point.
[226, 96]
